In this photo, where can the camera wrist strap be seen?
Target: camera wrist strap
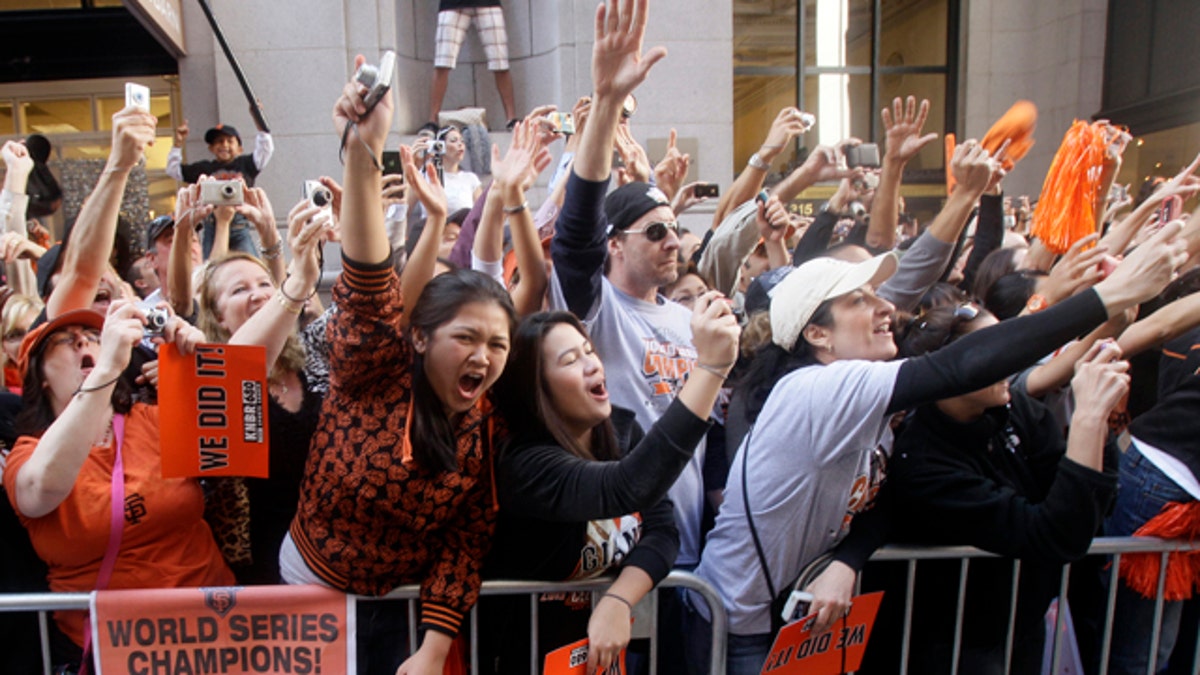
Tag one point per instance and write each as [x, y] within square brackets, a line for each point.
[346, 136]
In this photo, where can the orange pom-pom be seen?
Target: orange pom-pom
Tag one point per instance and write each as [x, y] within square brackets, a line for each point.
[1140, 570]
[1064, 213]
[1015, 126]
[950, 145]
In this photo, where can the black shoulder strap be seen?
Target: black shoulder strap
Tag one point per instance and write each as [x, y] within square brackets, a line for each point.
[762, 559]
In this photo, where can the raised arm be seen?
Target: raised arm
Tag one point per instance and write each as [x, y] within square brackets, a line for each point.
[788, 125]
[14, 202]
[364, 238]
[257, 209]
[309, 227]
[425, 187]
[904, 123]
[85, 258]
[188, 213]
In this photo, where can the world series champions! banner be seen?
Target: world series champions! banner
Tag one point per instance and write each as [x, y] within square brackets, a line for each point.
[213, 417]
[305, 630]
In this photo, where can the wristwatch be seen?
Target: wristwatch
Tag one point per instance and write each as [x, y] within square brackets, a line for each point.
[1036, 304]
[758, 163]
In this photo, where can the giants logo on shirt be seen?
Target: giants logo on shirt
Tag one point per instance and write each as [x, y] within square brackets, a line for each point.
[666, 365]
[606, 544]
[866, 487]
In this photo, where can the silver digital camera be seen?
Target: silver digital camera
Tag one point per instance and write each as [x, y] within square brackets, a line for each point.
[222, 193]
[377, 79]
[317, 194]
[156, 322]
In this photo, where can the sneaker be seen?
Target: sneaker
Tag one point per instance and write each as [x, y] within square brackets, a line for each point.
[512, 124]
[429, 129]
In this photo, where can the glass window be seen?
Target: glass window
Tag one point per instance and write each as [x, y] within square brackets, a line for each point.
[932, 87]
[837, 33]
[757, 99]
[64, 116]
[842, 106]
[8, 123]
[14, 5]
[913, 33]
[106, 107]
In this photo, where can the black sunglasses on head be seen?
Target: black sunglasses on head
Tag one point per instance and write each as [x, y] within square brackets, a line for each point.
[656, 231]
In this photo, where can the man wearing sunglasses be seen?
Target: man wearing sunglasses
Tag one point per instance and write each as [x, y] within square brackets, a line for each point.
[610, 257]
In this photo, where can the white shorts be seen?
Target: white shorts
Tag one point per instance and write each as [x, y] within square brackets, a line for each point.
[452, 29]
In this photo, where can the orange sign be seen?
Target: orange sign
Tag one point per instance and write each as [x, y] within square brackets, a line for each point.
[261, 629]
[572, 660]
[838, 650]
[213, 412]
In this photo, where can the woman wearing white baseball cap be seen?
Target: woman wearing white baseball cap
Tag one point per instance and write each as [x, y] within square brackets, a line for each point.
[821, 398]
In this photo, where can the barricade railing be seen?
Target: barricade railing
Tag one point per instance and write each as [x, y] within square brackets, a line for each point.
[42, 603]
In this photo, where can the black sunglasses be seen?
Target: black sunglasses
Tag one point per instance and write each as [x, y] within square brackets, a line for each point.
[656, 231]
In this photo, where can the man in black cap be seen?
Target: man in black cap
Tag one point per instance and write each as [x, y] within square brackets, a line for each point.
[160, 237]
[228, 162]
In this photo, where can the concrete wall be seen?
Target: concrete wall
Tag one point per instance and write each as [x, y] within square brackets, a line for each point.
[297, 55]
[1051, 53]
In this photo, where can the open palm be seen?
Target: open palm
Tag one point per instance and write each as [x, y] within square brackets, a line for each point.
[618, 64]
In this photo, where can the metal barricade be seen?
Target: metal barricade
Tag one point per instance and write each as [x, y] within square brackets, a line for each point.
[1108, 546]
[43, 603]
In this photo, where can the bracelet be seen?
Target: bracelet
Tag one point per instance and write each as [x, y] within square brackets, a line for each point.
[758, 163]
[719, 372]
[290, 306]
[513, 210]
[272, 252]
[614, 596]
[83, 390]
[299, 300]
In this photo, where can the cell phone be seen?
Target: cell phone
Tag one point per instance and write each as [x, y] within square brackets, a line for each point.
[564, 122]
[762, 197]
[706, 190]
[1170, 209]
[865, 155]
[1117, 193]
[137, 96]
[391, 163]
[617, 161]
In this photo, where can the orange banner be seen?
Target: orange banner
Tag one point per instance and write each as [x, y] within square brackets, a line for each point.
[838, 650]
[306, 630]
[572, 660]
[213, 411]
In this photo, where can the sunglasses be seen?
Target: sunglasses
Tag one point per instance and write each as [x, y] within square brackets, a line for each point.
[656, 232]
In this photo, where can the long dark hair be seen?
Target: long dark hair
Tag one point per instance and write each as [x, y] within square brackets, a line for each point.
[434, 445]
[527, 402]
[771, 363]
[37, 412]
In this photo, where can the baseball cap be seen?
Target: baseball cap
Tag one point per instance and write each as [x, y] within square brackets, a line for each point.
[155, 229]
[758, 293]
[794, 299]
[631, 201]
[212, 134]
[35, 340]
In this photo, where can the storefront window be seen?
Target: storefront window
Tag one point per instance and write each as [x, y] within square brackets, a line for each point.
[66, 116]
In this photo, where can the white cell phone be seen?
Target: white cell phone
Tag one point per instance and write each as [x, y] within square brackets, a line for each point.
[138, 96]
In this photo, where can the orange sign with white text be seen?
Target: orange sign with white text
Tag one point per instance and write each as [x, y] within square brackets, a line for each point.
[572, 660]
[213, 411]
[306, 630]
[838, 650]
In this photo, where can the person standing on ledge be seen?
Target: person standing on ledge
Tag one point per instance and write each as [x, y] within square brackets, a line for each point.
[454, 16]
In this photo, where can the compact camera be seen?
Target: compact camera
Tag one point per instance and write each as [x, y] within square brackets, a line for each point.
[436, 148]
[707, 190]
[864, 154]
[564, 122]
[377, 79]
[317, 194]
[222, 193]
[156, 322]
[137, 96]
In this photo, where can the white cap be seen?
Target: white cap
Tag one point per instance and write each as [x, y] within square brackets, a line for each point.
[794, 299]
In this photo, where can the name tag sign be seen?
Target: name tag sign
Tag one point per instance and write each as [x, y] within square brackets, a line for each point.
[572, 660]
[213, 411]
[838, 650]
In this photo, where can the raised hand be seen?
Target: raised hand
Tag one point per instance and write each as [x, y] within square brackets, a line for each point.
[618, 64]
[1078, 269]
[1101, 378]
[904, 123]
[181, 134]
[309, 227]
[973, 167]
[637, 165]
[715, 332]
[132, 131]
[672, 170]
[526, 158]
[373, 126]
[17, 159]
[424, 185]
[788, 125]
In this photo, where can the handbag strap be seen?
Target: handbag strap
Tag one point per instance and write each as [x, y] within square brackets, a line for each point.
[762, 558]
[117, 527]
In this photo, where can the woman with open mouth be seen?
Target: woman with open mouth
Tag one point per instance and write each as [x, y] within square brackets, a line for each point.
[821, 398]
[583, 490]
[86, 474]
[398, 488]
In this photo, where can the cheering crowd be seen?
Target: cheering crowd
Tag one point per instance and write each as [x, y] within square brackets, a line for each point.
[579, 388]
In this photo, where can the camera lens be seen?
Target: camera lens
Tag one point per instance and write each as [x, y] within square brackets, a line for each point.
[320, 197]
[227, 190]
